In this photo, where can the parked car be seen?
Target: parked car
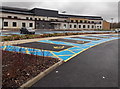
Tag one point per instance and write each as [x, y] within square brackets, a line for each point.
[27, 31]
[117, 30]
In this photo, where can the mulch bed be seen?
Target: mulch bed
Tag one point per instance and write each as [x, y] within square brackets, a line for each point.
[18, 68]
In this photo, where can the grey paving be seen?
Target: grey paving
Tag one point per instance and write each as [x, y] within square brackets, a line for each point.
[96, 67]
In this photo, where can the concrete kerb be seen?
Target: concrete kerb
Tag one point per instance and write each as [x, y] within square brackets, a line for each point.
[41, 75]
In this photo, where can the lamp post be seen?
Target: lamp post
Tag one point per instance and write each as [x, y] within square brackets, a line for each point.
[2, 23]
[112, 23]
[63, 12]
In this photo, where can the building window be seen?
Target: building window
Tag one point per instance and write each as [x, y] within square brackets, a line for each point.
[84, 26]
[30, 24]
[43, 25]
[39, 18]
[81, 21]
[92, 21]
[70, 26]
[31, 18]
[99, 22]
[65, 20]
[85, 21]
[64, 25]
[100, 26]
[43, 19]
[76, 21]
[35, 18]
[92, 26]
[14, 24]
[23, 25]
[79, 26]
[88, 21]
[51, 20]
[95, 22]
[88, 26]
[72, 21]
[15, 17]
[75, 26]
[5, 24]
[9, 16]
[97, 26]
[27, 18]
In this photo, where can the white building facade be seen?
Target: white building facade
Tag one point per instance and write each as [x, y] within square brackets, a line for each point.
[15, 18]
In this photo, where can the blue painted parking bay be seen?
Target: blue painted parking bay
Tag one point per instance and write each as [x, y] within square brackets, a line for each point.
[64, 48]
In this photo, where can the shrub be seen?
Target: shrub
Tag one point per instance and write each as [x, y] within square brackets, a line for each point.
[27, 36]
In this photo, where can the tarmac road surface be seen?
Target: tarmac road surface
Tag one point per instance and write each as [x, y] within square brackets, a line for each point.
[95, 67]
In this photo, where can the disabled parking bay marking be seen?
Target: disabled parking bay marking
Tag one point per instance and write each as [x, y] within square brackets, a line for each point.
[65, 48]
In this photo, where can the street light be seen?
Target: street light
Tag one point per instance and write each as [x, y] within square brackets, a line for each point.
[112, 23]
[2, 23]
[63, 12]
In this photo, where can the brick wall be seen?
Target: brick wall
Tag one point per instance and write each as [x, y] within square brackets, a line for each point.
[106, 25]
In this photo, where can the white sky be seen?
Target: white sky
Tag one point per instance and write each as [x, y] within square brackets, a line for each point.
[106, 8]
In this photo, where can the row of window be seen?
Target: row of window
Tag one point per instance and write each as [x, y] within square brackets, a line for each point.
[30, 18]
[80, 21]
[84, 21]
[84, 26]
[14, 24]
[15, 17]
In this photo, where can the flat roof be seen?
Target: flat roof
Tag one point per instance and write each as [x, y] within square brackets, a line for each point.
[15, 10]
[80, 16]
[53, 13]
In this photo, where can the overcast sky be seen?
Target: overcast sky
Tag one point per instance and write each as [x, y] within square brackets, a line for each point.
[105, 8]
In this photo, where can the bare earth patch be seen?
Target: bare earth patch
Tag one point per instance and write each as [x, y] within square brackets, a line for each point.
[18, 68]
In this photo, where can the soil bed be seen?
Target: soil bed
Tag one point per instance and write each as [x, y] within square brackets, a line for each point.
[18, 68]
[27, 36]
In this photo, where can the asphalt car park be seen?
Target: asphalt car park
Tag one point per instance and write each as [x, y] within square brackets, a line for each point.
[96, 67]
[71, 41]
[86, 38]
[45, 46]
[63, 48]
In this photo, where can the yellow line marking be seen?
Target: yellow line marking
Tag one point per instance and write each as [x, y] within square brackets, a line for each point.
[58, 47]
[86, 49]
[4, 48]
[54, 54]
[70, 51]
[27, 51]
[79, 47]
[64, 55]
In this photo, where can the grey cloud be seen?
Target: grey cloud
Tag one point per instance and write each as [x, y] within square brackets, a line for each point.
[19, 4]
[107, 10]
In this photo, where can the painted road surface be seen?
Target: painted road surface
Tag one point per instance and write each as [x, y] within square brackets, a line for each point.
[62, 48]
[96, 67]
